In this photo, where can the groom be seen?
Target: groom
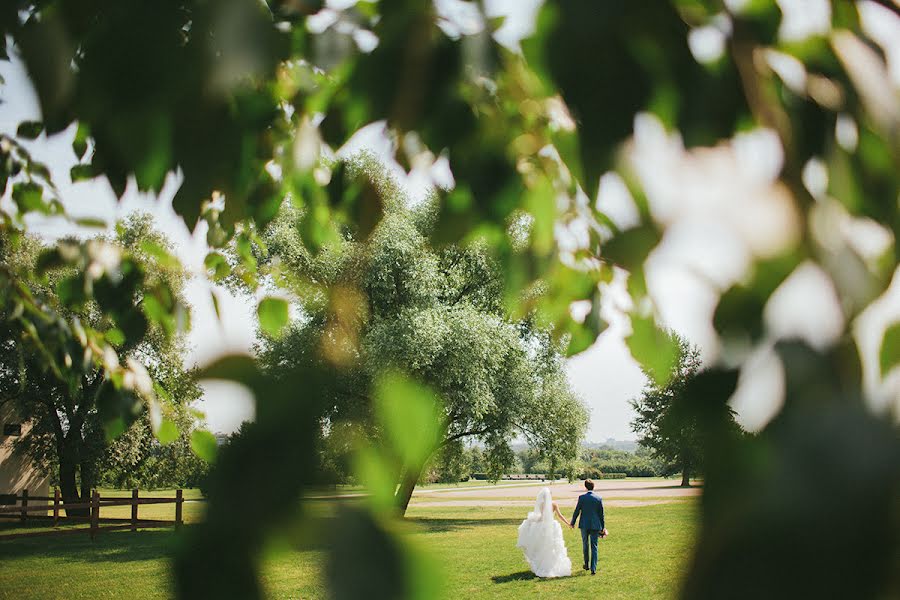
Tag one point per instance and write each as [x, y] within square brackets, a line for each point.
[591, 524]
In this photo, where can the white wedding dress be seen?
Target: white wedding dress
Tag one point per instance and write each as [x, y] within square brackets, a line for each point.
[541, 539]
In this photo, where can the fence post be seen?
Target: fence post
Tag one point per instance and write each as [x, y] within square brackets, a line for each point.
[24, 505]
[134, 509]
[55, 506]
[179, 501]
[95, 513]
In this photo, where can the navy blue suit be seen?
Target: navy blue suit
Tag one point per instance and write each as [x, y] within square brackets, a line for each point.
[590, 507]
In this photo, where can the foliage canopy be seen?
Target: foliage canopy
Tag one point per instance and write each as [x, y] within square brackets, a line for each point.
[399, 305]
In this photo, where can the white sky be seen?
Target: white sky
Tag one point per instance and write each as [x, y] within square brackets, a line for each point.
[605, 376]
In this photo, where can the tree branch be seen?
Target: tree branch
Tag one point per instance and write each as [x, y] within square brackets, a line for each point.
[463, 434]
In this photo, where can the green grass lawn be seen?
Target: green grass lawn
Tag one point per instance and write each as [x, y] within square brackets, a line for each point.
[643, 558]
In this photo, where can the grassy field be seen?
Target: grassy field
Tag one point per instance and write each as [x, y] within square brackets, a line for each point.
[642, 558]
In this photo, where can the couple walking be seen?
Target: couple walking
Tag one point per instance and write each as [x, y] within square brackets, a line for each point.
[541, 539]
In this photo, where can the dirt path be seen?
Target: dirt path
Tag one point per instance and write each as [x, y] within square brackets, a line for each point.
[615, 492]
[529, 503]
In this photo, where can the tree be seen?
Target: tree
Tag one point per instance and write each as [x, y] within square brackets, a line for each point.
[434, 314]
[532, 462]
[138, 458]
[75, 414]
[451, 464]
[665, 422]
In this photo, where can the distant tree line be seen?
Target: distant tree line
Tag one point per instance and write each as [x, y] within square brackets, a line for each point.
[641, 463]
[460, 463]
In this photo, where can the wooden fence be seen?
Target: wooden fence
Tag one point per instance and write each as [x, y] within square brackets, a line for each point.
[22, 505]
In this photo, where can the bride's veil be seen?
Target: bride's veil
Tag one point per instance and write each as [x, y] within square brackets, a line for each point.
[543, 507]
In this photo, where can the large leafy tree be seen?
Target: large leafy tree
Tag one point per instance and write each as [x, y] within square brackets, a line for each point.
[665, 421]
[76, 411]
[436, 315]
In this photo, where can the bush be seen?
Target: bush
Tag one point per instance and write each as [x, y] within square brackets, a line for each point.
[607, 460]
[591, 473]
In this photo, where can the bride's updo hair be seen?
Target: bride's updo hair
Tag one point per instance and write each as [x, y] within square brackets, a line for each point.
[589, 484]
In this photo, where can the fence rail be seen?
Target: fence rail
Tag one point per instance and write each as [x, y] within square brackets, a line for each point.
[21, 507]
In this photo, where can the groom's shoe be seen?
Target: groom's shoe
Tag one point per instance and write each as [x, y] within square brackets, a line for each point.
[585, 567]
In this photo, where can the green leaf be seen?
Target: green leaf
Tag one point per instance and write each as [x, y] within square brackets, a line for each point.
[93, 222]
[133, 324]
[889, 357]
[541, 203]
[377, 477]
[740, 309]
[117, 408]
[49, 259]
[29, 197]
[410, 415]
[80, 143]
[273, 315]
[161, 392]
[29, 130]
[244, 248]
[168, 433]
[581, 339]
[162, 256]
[48, 57]
[215, 302]
[216, 266]
[71, 291]
[655, 350]
[82, 172]
[37, 169]
[154, 309]
[203, 444]
[115, 336]
[239, 368]
[630, 248]
[739, 312]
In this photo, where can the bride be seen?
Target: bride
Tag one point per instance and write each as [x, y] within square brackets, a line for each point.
[541, 539]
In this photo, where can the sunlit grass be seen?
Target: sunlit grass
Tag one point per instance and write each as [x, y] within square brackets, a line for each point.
[643, 558]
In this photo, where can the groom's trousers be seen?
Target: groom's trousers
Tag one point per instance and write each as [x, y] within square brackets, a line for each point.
[590, 536]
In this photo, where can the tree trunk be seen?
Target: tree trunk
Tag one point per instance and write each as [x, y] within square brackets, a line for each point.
[685, 477]
[407, 485]
[87, 479]
[67, 485]
[69, 488]
[69, 452]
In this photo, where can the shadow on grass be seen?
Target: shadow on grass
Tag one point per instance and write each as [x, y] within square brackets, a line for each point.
[110, 546]
[428, 525]
[528, 576]
[520, 576]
